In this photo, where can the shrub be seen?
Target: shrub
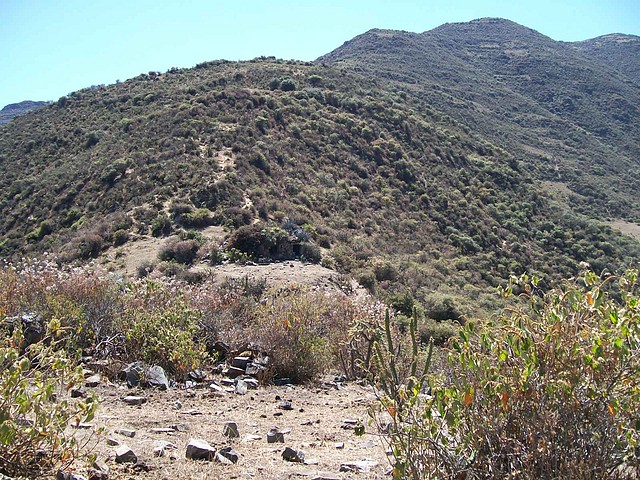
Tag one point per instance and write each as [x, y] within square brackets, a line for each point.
[297, 329]
[161, 225]
[550, 391]
[181, 251]
[198, 218]
[120, 237]
[34, 408]
[160, 327]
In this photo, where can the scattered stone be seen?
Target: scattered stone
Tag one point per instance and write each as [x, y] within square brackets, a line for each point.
[100, 466]
[198, 375]
[190, 384]
[162, 430]
[252, 383]
[281, 382]
[177, 405]
[180, 427]
[68, 476]
[255, 370]
[126, 432]
[240, 362]
[200, 450]
[227, 382]
[156, 377]
[229, 453]
[362, 466]
[134, 400]
[132, 374]
[234, 372]
[97, 474]
[125, 455]
[275, 436]
[230, 430]
[291, 455]
[325, 477]
[93, 381]
[340, 445]
[222, 459]
[158, 451]
[112, 442]
[78, 392]
[310, 421]
[251, 438]
[82, 426]
[286, 405]
[241, 387]
[221, 348]
[192, 411]
[311, 461]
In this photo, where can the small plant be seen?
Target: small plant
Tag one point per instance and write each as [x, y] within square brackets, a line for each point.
[34, 407]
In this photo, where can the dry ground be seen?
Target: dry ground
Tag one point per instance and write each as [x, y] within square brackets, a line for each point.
[315, 425]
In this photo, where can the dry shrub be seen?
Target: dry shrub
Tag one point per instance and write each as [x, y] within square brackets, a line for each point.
[305, 332]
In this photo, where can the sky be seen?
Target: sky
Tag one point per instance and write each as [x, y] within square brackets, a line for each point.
[49, 48]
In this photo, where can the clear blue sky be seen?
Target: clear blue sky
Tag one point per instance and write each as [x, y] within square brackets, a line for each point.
[49, 48]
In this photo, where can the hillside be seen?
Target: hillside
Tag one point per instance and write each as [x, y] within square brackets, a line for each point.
[569, 116]
[378, 176]
[12, 110]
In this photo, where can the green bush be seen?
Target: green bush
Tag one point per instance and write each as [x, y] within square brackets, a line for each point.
[551, 390]
[35, 410]
[160, 329]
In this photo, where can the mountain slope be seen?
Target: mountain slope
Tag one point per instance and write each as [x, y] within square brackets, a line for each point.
[14, 109]
[570, 118]
[393, 190]
[618, 51]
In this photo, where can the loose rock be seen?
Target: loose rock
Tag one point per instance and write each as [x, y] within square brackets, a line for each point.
[125, 455]
[126, 432]
[229, 453]
[93, 380]
[230, 430]
[132, 373]
[362, 466]
[200, 450]
[157, 378]
[291, 455]
[134, 400]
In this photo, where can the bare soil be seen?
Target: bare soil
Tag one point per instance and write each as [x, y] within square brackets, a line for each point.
[314, 425]
[628, 228]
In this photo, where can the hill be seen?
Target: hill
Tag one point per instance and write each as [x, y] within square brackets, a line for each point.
[406, 184]
[571, 117]
[14, 109]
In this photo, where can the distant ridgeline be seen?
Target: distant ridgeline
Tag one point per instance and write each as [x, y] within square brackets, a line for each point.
[14, 109]
[428, 166]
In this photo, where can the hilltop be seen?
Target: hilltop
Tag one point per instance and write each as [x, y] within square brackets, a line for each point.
[12, 110]
[569, 115]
